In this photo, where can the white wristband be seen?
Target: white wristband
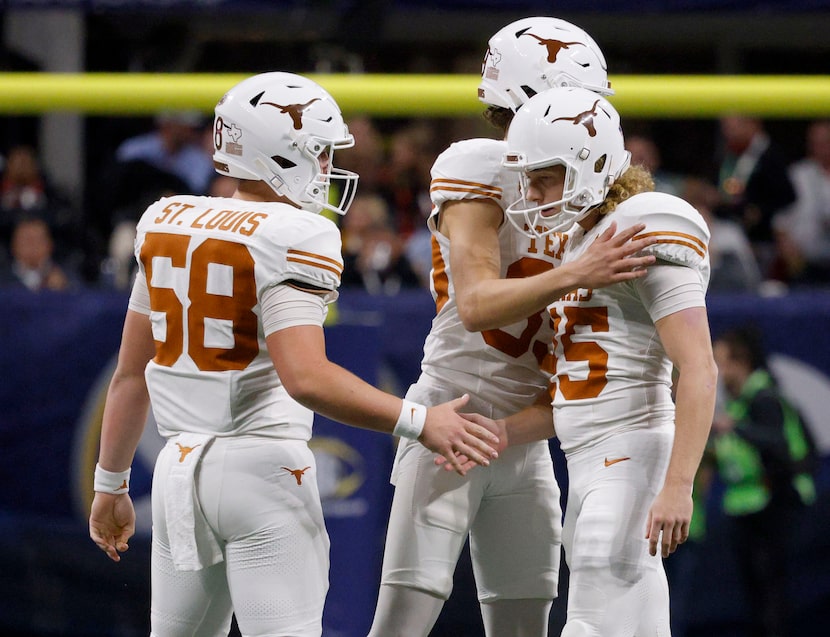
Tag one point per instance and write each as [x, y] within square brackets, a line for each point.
[115, 482]
[411, 420]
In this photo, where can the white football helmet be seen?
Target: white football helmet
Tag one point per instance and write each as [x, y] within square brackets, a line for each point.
[533, 54]
[277, 127]
[575, 128]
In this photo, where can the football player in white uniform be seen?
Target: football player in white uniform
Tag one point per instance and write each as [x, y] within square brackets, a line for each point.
[223, 337]
[491, 284]
[632, 451]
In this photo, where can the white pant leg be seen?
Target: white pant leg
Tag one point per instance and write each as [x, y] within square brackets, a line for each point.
[264, 501]
[616, 587]
[260, 497]
[432, 510]
[428, 525]
[183, 603]
[187, 603]
[516, 537]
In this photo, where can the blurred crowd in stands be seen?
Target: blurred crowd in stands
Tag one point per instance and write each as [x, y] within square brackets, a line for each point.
[769, 213]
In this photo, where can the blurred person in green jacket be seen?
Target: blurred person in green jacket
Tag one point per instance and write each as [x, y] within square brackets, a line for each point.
[765, 459]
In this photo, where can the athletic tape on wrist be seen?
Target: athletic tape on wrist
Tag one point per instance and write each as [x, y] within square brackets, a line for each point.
[411, 420]
[115, 482]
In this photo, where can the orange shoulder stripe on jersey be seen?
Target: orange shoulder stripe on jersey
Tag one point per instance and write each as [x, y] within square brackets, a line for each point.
[316, 265]
[688, 240]
[456, 185]
[691, 246]
[440, 279]
[314, 255]
[337, 269]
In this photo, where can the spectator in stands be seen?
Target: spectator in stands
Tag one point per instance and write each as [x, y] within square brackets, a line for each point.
[366, 157]
[803, 233]
[32, 263]
[753, 180]
[405, 184]
[765, 459]
[405, 179]
[734, 267]
[418, 250]
[23, 186]
[26, 190]
[174, 147]
[645, 152]
[373, 253]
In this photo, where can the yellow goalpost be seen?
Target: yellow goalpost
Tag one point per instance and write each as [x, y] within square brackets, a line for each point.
[654, 96]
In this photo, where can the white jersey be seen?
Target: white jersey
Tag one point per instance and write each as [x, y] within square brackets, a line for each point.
[612, 372]
[514, 500]
[207, 262]
[501, 365]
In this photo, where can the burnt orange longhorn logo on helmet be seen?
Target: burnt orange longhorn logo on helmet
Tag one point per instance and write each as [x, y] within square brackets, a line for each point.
[553, 46]
[294, 110]
[585, 118]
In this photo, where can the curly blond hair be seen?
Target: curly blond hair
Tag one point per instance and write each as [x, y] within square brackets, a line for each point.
[632, 182]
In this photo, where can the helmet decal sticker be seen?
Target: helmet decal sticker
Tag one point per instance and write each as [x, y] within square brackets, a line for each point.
[553, 46]
[295, 111]
[493, 57]
[232, 146]
[234, 132]
[585, 118]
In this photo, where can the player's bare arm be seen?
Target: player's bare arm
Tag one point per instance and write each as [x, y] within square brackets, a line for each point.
[310, 378]
[531, 424]
[112, 518]
[487, 301]
[686, 338]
